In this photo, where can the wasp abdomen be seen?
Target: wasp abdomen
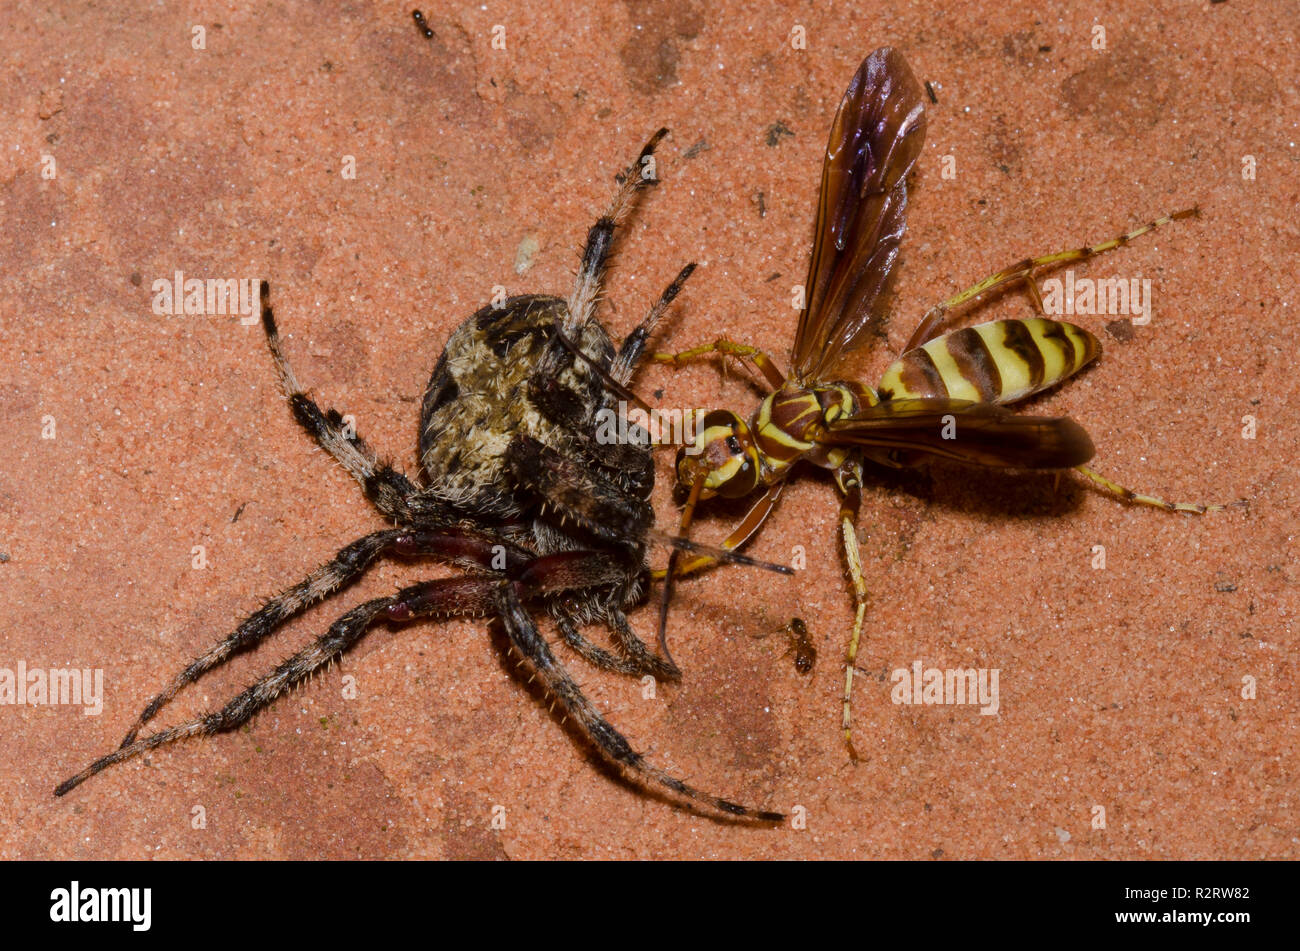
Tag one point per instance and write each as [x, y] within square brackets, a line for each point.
[998, 362]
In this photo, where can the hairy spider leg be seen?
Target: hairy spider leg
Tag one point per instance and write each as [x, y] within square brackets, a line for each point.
[462, 547]
[387, 489]
[632, 349]
[534, 650]
[456, 597]
[475, 596]
[602, 489]
[337, 573]
[595, 255]
[589, 283]
[582, 495]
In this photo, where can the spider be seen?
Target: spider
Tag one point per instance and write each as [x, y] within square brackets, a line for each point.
[515, 489]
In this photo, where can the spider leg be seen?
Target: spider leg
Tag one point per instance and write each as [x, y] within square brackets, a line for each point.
[633, 348]
[341, 635]
[590, 652]
[341, 570]
[595, 255]
[387, 489]
[637, 659]
[582, 569]
[453, 545]
[532, 647]
[578, 494]
[639, 650]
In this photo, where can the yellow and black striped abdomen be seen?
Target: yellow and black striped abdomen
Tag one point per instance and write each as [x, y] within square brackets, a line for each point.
[998, 362]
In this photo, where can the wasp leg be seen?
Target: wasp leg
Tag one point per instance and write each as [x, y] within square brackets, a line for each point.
[743, 532]
[595, 255]
[612, 745]
[386, 488]
[849, 478]
[1024, 271]
[1128, 495]
[760, 358]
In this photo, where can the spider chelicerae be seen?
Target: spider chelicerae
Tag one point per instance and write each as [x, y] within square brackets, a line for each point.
[515, 489]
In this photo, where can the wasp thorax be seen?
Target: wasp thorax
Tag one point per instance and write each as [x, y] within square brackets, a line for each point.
[723, 455]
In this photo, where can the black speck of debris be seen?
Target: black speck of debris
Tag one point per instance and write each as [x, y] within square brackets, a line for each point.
[774, 275]
[1121, 330]
[1224, 587]
[4, 557]
[775, 131]
[136, 278]
[762, 205]
[929, 91]
[1044, 49]
[238, 512]
[696, 149]
[659, 393]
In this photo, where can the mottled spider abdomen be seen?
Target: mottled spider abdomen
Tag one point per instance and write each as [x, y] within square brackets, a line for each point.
[508, 425]
[478, 398]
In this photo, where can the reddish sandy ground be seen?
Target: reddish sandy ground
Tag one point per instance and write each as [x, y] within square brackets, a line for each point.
[1121, 689]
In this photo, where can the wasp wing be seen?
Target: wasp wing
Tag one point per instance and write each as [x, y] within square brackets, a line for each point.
[861, 213]
[978, 433]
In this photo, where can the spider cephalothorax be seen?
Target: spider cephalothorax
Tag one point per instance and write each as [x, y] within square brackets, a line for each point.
[514, 488]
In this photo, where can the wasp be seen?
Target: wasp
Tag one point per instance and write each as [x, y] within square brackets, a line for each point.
[944, 397]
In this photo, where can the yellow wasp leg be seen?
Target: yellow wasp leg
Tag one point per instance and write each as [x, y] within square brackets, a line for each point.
[1024, 271]
[740, 351]
[849, 476]
[1129, 495]
[747, 528]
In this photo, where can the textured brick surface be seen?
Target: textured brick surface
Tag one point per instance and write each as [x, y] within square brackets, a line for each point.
[1120, 688]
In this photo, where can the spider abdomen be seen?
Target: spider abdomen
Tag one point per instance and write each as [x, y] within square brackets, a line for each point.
[478, 399]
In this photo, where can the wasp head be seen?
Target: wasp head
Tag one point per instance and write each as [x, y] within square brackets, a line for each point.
[723, 455]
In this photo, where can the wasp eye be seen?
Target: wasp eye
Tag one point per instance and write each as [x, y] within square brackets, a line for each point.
[733, 445]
